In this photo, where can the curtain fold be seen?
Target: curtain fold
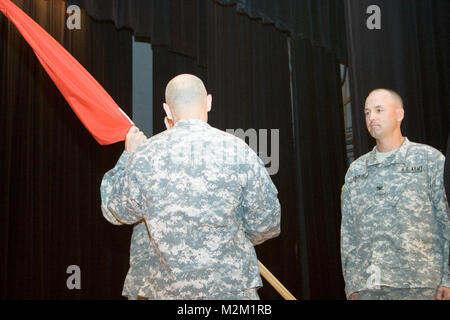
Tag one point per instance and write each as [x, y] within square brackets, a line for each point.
[321, 162]
[320, 22]
[164, 22]
[160, 22]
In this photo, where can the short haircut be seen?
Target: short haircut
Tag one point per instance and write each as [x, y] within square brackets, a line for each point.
[394, 95]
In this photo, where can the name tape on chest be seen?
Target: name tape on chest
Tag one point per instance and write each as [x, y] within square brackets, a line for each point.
[412, 169]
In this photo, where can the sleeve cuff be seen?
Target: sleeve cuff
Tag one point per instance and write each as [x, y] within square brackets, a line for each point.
[349, 290]
[445, 282]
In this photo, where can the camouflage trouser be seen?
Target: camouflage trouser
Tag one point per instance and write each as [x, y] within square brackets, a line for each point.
[249, 294]
[386, 293]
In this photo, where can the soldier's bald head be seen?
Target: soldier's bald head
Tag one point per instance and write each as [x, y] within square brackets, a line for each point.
[185, 92]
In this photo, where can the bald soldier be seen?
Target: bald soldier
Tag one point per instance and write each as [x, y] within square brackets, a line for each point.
[201, 199]
[395, 216]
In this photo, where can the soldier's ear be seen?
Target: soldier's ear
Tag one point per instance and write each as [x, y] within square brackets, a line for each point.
[168, 111]
[400, 114]
[208, 103]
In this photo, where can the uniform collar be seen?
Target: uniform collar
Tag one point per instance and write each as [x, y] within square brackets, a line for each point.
[191, 122]
[396, 157]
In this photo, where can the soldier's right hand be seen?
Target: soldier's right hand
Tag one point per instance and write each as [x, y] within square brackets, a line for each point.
[134, 139]
[354, 296]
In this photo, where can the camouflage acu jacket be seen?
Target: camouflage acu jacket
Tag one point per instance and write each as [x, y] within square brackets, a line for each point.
[205, 198]
[395, 221]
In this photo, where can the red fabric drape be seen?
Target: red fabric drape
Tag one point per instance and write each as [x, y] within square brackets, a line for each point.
[91, 103]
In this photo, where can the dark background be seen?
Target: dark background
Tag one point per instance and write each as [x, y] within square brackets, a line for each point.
[268, 65]
[410, 54]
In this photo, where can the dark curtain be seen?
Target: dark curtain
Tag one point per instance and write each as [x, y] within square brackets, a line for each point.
[163, 22]
[173, 23]
[51, 167]
[147, 18]
[409, 54]
[320, 22]
[321, 159]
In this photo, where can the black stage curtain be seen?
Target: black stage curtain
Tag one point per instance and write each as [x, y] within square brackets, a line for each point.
[51, 167]
[409, 54]
[320, 22]
[321, 159]
[163, 22]
[173, 23]
[147, 18]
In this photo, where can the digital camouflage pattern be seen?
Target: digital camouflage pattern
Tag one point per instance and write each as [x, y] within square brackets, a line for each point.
[395, 219]
[386, 293]
[203, 199]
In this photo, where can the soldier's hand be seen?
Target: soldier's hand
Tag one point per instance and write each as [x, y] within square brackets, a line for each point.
[168, 123]
[134, 139]
[443, 293]
[354, 296]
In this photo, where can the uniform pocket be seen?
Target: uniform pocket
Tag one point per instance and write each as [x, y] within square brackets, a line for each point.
[406, 182]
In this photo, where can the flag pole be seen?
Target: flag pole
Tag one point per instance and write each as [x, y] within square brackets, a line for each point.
[275, 283]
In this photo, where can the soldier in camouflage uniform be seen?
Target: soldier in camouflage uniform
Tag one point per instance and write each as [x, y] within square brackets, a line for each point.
[202, 199]
[395, 216]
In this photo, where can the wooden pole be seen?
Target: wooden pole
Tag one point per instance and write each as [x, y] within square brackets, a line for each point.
[274, 282]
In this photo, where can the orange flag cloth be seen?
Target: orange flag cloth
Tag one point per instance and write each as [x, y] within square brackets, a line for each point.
[91, 103]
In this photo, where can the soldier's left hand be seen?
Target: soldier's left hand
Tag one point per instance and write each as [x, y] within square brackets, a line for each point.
[443, 293]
